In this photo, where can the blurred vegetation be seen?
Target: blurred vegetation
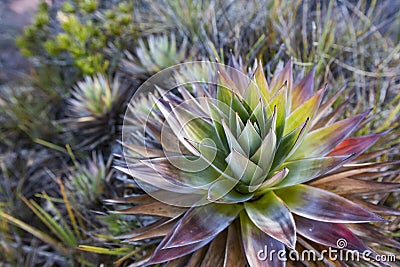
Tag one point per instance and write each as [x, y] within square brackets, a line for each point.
[59, 127]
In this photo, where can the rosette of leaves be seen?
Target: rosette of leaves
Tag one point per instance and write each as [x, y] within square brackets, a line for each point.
[94, 108]
[153, 54]
[246, 164]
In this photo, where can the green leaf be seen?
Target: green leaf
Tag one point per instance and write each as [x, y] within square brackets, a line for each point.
[289, 144]
[223, 191]
[306, 110]
[304, 170]
[243, 168]
[249, 139]
[264, 155]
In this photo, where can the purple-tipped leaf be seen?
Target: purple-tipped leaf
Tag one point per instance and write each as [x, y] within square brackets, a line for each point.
[355, 145]
[334, 235]
[272, 216]
[258, 244]
[303, 90]
[202, 223]
[320, 142]
[318, 204]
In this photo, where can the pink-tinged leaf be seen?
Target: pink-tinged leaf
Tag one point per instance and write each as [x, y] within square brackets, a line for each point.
[203, 222]
[234, 255]
[272, 216]
[355, 145]
[258, 244]
[303, 90]
[324, 107]
[356, 170]
[320, 142]
[306, 110]
[284, 76]
[148, 175]
[334, 235]
[331, 117]
[163, 254]
[318, 204]
[305, 170]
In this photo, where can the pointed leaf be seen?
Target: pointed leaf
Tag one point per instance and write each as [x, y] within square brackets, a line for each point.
[329, 234]
[215, 255]
[261, 81]
[155, 209]
[203, 222]
[303, 90]
[306, 110]
[264, 156]
[233, 250]
[233, 143]
[304, 170]
[164, 254]
[284, 76]
[355, 145]
[318, 204]
[272, 216]
[275, 179]
[278, 104]
[320, 142]
[289, 144]
[243, 168]
[255, 243]
[249, 139]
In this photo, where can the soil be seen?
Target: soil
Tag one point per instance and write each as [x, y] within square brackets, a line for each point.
[14, 16]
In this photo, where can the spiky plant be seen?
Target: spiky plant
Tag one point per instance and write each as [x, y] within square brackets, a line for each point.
[246, 164]
[87, 181]
[154, 54]
[95, 107]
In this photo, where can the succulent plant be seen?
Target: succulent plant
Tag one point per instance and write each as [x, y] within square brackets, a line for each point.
[154, 54]
[240, 164]
[95, 107]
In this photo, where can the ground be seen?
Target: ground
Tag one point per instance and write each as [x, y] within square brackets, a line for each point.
[14, 15]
